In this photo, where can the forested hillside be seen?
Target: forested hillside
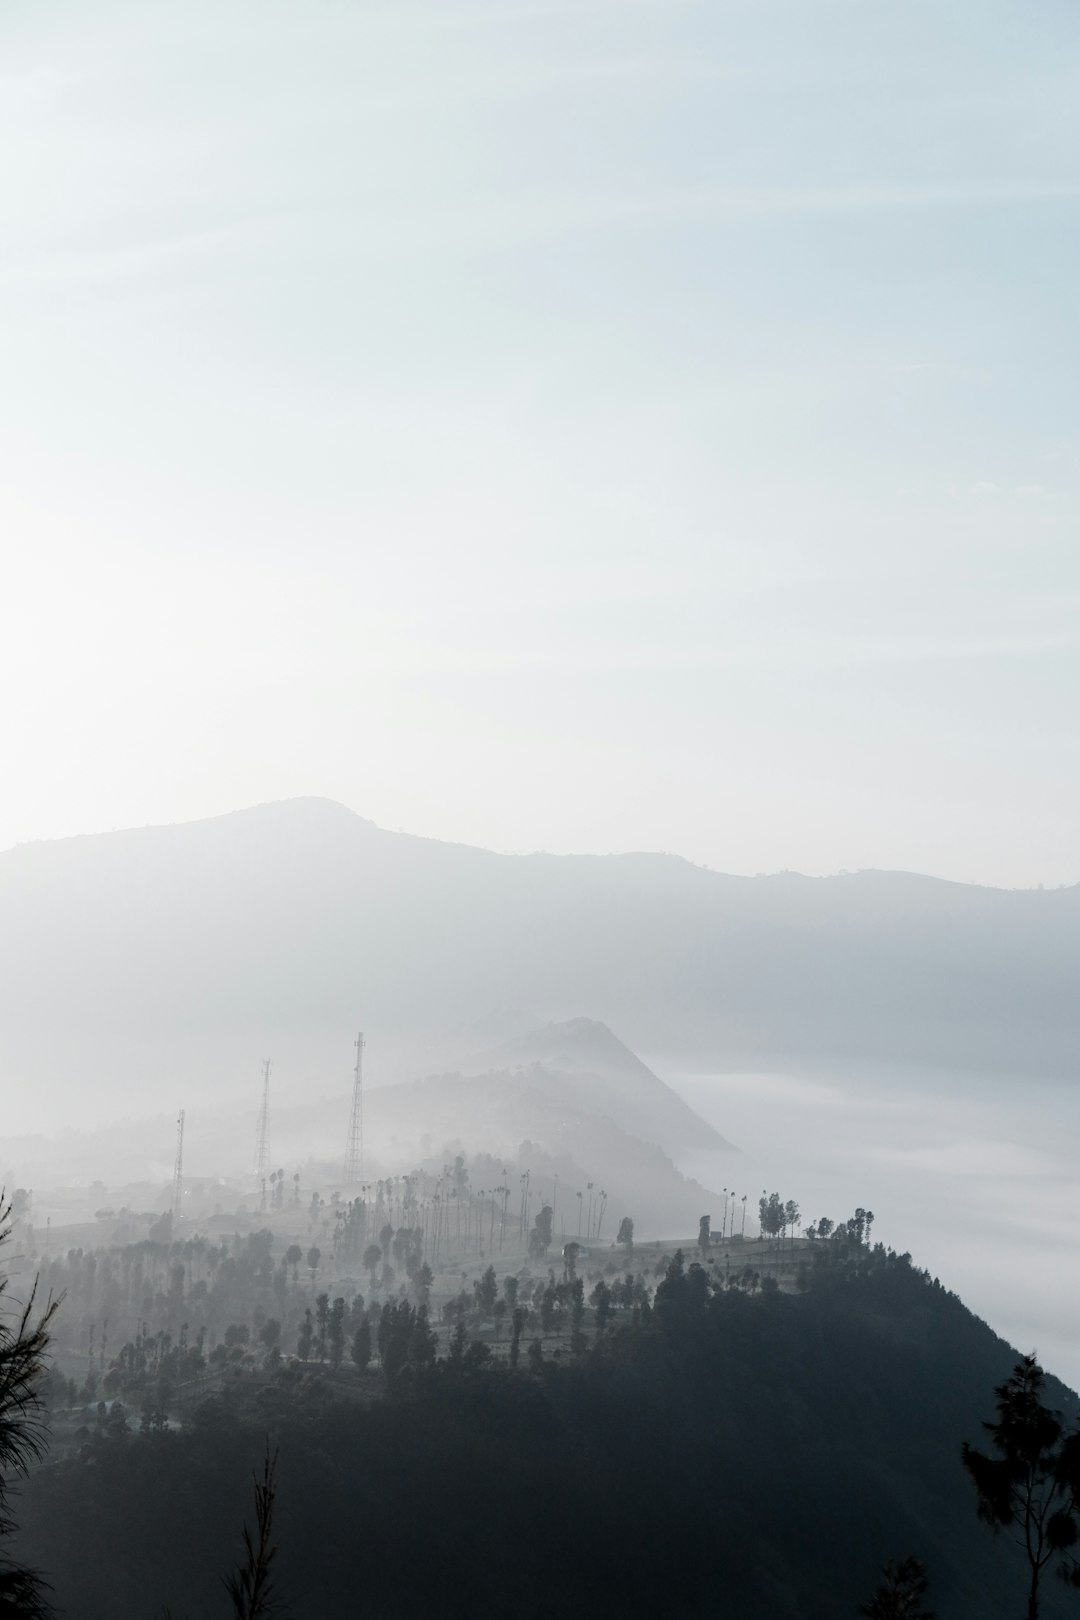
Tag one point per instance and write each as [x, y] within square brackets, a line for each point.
[730, 1451]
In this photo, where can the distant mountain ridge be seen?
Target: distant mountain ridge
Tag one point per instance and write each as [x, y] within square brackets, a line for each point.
[133, 962]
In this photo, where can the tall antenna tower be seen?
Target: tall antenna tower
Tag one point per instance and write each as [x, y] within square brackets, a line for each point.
[178, 1173]
[354, 1152]
[262, 1135]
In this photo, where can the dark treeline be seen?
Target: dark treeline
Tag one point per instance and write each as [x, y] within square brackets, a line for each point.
[710, 1447]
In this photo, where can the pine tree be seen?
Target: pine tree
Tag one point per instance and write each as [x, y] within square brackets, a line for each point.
[251, 1587]
[900, 1595]
[24, 1341]
[1032, 1487]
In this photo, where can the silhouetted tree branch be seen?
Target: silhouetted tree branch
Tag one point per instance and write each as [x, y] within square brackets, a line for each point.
[251, 1587]
[24, 1343]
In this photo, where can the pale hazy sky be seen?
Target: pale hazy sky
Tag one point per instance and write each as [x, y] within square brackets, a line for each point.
[563, 424]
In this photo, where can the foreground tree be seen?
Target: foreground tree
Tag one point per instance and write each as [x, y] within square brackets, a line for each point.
[901, 1593]
[1032, 1486]
[251, 1586]
[24, 1342]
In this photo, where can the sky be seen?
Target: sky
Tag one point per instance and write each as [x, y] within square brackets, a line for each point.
[547, 424]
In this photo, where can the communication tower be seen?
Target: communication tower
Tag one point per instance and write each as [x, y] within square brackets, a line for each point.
[178, 1173]
[354, 1152]
[262, 1134]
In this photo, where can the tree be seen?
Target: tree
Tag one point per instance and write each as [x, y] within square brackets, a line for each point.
[771, 1215]
[577, 1317]
[540, 1236]
[1032, 1486]
[515, 1336]
[306, 1336]
[270, 1338]
[322, 1326]
[601, 1303]
[251, 1588]
[550, 1315]
[335, 1336]
[423, 1345]
[361, 1345]
[396, 1328]
[900, 1595]
[625, 1234]
[487, 1291]
[422, 1282]
[373, 1259]
[703, 1237]
[458, 1343]
[24, 1342]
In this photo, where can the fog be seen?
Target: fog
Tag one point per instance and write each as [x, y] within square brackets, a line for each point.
[959, 1168]
[973, 1174]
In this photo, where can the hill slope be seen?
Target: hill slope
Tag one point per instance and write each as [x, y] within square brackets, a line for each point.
[752, 1457]
[587, 1066]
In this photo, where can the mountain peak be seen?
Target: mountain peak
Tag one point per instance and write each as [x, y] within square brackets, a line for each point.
[589, 1055]
[571, 1040]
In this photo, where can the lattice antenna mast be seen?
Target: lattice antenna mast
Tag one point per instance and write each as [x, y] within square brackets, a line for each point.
[354, 1152]
[178, 1172]
[262, 1135]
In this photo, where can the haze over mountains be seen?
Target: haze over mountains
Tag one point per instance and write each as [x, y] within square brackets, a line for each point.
[137, 963]
[566, 1101]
